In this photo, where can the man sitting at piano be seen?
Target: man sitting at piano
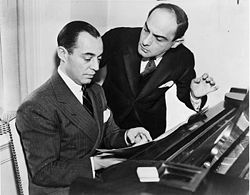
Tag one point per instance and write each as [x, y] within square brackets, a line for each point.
[63, 122]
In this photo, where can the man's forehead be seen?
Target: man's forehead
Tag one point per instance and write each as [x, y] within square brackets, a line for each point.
[162, 22]
[86, 37]
[163, 17]
[88, 43]
[163, 12]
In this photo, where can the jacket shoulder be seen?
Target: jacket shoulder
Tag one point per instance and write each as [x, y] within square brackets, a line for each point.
[184, 50]
[123, 31]
[118, 39]
[122, 35]
[39, 96]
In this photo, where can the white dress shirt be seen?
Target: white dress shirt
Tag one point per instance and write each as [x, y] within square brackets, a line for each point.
[144, 63]
[74, 88]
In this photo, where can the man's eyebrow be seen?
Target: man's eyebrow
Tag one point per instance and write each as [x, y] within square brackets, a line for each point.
[88, 54]
[157, 36]
[91, 54]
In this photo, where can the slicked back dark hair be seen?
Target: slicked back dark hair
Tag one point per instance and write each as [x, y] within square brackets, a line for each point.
[68, 36]
[181, 17]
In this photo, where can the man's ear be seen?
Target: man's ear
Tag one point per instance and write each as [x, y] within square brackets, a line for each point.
[177, 42]
[62, 53]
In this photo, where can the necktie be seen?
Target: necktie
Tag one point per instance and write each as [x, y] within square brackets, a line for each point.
[86, 100]
[150, 67]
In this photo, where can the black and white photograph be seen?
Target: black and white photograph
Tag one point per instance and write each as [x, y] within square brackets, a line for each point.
[124, 97]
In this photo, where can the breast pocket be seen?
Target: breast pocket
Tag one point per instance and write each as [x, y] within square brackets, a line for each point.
[167, 85]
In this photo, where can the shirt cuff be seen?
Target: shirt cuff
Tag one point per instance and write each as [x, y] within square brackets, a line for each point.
[196, 103]
[126, 138]
[93, 166]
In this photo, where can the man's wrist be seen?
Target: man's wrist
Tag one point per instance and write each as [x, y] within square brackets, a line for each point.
[194, 97]
[92, 166]
[127, 141]
[196, 102]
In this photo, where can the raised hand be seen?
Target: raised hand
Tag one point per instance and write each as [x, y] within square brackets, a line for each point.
[202, 86]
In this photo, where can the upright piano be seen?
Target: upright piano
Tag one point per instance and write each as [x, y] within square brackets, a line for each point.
[209, 154]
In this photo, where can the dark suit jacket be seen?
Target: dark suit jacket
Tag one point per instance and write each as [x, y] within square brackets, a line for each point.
[144, 105]
[59, 135]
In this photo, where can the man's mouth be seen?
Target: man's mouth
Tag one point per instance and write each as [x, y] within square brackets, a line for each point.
[90, 76]
[144, 49]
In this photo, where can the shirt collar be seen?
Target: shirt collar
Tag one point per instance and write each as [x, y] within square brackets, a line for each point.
[75, 88]
[157, 60]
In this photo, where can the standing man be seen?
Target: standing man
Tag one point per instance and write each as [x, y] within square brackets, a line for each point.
[141, 64]
[64, 121]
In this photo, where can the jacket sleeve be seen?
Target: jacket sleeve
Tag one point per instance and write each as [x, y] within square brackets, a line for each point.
[40, 135]
[114, 136]
[184, 81]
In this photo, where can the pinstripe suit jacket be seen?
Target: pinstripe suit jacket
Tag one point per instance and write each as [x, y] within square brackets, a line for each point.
[59, 135]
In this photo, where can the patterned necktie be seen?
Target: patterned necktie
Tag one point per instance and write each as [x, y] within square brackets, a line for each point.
[86, 100]
[150, 67]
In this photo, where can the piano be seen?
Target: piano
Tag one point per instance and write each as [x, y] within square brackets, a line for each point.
[209, 154]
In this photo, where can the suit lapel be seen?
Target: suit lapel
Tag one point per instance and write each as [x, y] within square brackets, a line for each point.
[73, 109]
[132, 65]
[98, 113]
[164, 69]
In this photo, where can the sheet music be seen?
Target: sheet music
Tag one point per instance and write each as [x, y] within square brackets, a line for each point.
[125, 152]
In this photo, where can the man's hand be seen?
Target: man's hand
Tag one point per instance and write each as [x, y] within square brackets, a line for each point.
[138, 135]
[202, 86]
[102, 161]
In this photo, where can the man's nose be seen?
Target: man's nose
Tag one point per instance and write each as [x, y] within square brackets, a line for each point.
[148, 39]
[95, 64]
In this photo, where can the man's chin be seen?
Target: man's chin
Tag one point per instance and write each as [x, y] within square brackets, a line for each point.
[86, 81]
[143, 54]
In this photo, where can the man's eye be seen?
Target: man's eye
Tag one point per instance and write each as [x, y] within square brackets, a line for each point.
[159, 39]
[87, 59]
